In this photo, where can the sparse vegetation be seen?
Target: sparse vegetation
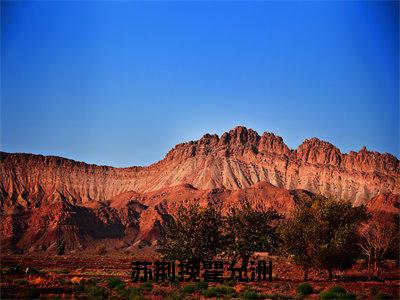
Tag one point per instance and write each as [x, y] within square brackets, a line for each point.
[96, 292]
[250, 294]
[304, 289]
[217, 291]
[377, 237]
[336, 293]
[115, 283]
[201, 285]
[131, 293]
[147, 286]
[189, 288]
[62, 271]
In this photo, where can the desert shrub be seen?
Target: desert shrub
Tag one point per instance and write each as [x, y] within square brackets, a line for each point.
[115, 282]
[147, 286]
[230, 283]
[201, 285]
[20, 281]
[275, 297]
[176, 296]
[336, 293]
[304, 289]
[32, 293]
[217, 291]
[383, 296]
[101, 250]
[225, 290]
[131, 293]
[249, 294]
[62, 271]
[209, 293]
[189, 289]
[96, 292]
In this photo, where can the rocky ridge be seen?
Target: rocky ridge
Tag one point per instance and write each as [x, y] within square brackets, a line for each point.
[45, 197]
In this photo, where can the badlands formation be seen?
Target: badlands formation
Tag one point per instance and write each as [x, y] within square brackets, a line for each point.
[46, 198]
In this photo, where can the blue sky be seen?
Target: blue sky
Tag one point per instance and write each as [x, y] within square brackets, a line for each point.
[120, 83]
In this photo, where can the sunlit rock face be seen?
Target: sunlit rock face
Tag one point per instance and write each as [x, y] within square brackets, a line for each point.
[44, 198]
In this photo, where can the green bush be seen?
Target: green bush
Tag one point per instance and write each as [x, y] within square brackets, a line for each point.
[304, 289]
[201, 285]
[230, 283]
[210, 293]
[131, 293]
[249, 294]
[176, 296]
[275, 297]
[115, 282]
[96, 292]
[336, 293]
[217, 291]
[62, 271]
[225, 290]
[189, 289]
[147, 286]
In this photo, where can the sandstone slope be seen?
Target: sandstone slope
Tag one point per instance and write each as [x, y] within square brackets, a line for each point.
[44, 197]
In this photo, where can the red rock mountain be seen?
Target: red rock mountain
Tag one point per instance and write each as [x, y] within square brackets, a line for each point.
[45, 197]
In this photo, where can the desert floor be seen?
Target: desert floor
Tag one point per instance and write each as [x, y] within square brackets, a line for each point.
[88, 277]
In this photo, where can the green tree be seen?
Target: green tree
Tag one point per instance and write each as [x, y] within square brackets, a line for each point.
[323, 233]
[195, 233]
[295, 235]
[249, 230]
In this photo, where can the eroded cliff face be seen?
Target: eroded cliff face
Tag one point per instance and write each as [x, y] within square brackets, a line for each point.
[241, 158]
[127, 222]
[45, 198]
[237, 159]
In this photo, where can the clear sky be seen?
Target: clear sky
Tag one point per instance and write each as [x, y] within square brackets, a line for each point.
[120, 83]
